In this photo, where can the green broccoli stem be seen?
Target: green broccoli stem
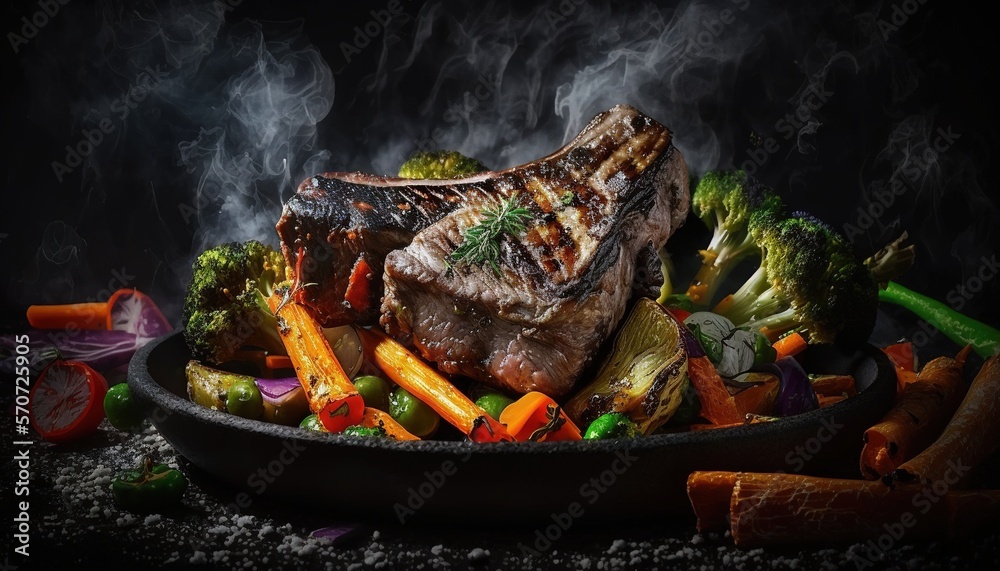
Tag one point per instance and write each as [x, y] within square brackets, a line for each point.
[961, 329]
[718, 261]
[769, 303]
[777, 322]
[743, 299]
[265, 335]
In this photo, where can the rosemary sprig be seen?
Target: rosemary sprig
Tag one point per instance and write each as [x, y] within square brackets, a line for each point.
[481, 243]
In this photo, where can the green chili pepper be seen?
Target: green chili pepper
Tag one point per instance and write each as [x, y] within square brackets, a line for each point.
[763, 352]
[611, 425]
[121, 409]
[369, 431]
[374, 391]
[149, 488]
[680, 301]
[963, 330]
[690, 406]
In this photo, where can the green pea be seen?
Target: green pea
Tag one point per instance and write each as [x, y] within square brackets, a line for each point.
[312, 422]
[374, 391]
[416, 417]
[244, 399]
[494, 403]
[611, 425]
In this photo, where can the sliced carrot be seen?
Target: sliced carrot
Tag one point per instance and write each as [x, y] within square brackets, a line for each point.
[901, 355]
[834, 386]
[81, 315]
[790, 345]
[332, 396]
[825, 401]
[972, 434]
[758, 399]
[278, 362]
[710, 494]
[723, 305]
[917, 418]
[536, 417]
[717, 405]
[423, 382]
[375, 418]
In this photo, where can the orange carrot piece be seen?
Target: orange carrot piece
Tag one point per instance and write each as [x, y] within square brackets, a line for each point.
[917, 418]
[278, 362]
[758, 399]
[710, 494]
[825, 401]
[332, 396]
[767, 509]
[834, 386]
[717, 405]
[375, 418]
[790, 345]
[901, 355]
[80, 315]
[423, 382]
[358, 292]
[537, 417]
[972, 434]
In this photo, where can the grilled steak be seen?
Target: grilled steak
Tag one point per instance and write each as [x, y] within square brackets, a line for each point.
[600, 208]
[338, 228]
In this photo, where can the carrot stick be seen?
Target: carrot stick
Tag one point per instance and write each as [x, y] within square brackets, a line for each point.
[790, 345]
[278, 362]
[758, 399]
[710, 493]
[825, 401]
[717, 405]
[919, 415]
[787, 508]
[81, 315]
[834, 386]
[972, 434]
[428, 385]
[332, 396]
[375, 418]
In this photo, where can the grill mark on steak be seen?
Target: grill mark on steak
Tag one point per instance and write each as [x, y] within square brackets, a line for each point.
[336, 218]
[564, 283]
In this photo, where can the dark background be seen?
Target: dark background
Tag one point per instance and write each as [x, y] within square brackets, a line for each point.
[506, 83]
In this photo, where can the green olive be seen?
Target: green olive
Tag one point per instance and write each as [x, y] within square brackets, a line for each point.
[611, 425]
[494, 403]
[312, 422]
[415, 416]
[244, 399]
[374, 391]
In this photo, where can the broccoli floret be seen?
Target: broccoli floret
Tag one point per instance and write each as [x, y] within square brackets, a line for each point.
[731, 203]
[226, 302]
[809, 279]
[440, 165]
